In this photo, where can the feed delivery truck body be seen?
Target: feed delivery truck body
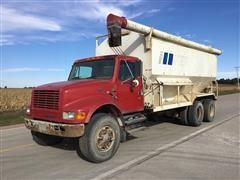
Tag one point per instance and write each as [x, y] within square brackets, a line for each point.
[138, 71]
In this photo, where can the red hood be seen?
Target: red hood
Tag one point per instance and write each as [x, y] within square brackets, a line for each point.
[72, 93]
[70, 84]
[75, 90]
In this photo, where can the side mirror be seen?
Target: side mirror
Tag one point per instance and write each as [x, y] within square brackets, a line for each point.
[135, 83]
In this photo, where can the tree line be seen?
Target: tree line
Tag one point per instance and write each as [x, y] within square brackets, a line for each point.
[227, 81]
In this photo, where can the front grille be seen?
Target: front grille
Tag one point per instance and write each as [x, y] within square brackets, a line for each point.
[47, 99]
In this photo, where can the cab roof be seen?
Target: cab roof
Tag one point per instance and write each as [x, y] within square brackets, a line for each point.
[100, 57]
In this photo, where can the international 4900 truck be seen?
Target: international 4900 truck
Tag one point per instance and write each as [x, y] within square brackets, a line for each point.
[137, 71]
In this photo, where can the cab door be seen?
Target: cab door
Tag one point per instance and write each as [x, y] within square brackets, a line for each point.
[129, 86]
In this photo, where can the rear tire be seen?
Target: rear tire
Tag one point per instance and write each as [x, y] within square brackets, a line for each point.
[101, 139]
[209, 110]
[196, 113]
[44, 139]
[183, 116]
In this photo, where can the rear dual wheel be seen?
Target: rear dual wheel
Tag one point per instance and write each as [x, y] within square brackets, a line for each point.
[196, 113]
[183, 116]
[200, 111]
[209, 110]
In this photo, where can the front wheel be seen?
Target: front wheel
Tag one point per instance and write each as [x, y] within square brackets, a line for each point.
[101, 139]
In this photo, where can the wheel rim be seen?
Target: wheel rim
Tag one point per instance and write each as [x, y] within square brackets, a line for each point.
[211, 111]
[199, 113]
[105, 138]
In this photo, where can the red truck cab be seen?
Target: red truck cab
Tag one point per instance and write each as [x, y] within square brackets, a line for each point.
[104, 87]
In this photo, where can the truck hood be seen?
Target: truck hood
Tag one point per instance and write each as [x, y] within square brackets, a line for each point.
[73, 91]
[64, 85]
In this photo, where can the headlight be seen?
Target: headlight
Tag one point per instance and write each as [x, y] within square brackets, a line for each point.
[79, 116]
[28, 111]
[68, 115]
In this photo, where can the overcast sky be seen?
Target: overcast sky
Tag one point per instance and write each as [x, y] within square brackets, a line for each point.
[41, 39]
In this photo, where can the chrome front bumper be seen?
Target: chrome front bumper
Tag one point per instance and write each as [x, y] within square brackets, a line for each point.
[56, 129]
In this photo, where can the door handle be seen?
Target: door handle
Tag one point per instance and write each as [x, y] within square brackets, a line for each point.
[112, 93]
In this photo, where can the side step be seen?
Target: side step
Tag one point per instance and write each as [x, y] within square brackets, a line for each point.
[134, 123]
[134, 118]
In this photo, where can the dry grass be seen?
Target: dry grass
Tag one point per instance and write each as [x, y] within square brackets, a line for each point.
[224, 89]
[14, 99]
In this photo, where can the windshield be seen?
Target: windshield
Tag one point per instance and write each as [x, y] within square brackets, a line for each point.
[96, 69]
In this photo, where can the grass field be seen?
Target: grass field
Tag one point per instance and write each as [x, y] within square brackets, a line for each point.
[12, 117]
[13, 103]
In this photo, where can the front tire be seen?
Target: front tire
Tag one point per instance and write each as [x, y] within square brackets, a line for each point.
[196, 114]
[101, 139]
[44, 139]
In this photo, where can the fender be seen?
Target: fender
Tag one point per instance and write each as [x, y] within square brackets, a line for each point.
[89, 105]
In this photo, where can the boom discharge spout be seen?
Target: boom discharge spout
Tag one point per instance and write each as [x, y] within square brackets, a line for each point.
[122, 22]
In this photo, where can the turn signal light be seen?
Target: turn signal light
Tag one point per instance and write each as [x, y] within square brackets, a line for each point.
[80, 116]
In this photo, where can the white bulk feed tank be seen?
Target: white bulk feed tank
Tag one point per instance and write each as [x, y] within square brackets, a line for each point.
[175, 70]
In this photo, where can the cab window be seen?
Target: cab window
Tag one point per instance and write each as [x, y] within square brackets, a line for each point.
[94, 69]
[129, 70]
